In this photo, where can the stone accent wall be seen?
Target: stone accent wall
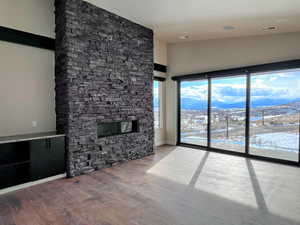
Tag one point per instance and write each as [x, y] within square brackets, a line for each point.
[104, 70]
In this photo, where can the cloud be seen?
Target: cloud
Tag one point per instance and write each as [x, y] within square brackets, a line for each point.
[198, 92]
[231, 93]
[272, 86]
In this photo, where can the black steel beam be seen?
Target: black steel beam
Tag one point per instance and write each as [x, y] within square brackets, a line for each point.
[25, 38]
[159, 78]
[160, 68]
[242, 70]
[38, 41]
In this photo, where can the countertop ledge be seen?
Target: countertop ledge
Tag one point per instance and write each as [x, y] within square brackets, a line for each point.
[29, 137]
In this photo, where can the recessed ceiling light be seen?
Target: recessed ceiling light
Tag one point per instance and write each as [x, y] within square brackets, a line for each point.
[183, 37]
[270, 28]
[228, 27]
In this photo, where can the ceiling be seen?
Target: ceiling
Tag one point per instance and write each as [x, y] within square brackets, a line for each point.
[206, 19]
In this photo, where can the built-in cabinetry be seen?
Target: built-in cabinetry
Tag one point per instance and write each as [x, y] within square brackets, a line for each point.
[29, 158]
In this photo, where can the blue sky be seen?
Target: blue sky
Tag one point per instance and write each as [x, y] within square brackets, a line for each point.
[279, 85]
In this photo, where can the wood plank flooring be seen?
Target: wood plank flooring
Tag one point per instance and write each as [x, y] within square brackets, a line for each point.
[177, 186]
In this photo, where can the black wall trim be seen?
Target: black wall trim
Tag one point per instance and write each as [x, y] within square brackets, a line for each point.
[160, 68]
[178, 113]
[242, 70]
[34, 40]
[159, 78]
[25, 38]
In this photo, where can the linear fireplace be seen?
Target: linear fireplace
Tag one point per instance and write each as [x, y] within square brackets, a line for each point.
[117, 128]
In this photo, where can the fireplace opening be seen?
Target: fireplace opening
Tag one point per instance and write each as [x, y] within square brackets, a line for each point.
[117, 128]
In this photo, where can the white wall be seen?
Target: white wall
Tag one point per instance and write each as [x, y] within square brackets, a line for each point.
[160, 52]
[27, 74]
[26, 89]
[211, 55]
[160, 57]
[34, 16]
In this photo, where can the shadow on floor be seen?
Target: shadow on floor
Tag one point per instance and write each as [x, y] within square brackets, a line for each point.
[126, 194]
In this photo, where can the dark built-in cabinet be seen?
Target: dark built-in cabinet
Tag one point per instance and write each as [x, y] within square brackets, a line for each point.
[30, 160]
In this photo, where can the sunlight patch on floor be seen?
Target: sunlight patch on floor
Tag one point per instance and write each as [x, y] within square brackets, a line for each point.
[279, 187]
[218, 174]
[179, 165]
[268, 187]
[227, 177]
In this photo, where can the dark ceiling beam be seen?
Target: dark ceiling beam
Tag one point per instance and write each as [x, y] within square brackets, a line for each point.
[159, 78]
[25, 38]
[160, 68]
[284, 65]
[38, 41]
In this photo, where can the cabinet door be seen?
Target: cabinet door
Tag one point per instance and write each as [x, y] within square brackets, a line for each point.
[57, 155]
[14, 164]
[14, 175]
[39, 158]
[14, 153]
[47, 158]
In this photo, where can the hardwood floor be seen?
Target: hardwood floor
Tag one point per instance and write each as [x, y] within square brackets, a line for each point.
[177, 186]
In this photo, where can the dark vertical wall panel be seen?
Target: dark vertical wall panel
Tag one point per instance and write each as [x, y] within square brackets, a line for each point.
[104, 70]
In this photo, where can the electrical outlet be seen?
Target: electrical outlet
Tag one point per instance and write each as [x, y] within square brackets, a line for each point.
[34, 123]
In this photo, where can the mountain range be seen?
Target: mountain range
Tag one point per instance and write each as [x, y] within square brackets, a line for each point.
[194, 104]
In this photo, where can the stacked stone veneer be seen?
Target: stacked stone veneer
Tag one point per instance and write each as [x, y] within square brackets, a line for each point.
[104, 69]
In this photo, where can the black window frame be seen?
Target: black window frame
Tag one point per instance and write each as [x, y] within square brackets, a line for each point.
[246, 71]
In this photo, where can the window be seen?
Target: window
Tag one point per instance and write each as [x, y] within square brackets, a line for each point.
[228, 108]
[274, 121]
[157, 103]
[252, 113]
[193, 114]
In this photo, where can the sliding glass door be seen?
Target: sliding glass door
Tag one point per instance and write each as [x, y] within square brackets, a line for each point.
[274, 117]
[193, 113]
[228, 107]
[256, 114]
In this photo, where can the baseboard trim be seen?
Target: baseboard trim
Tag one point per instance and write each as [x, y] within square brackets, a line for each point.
[30, 184]
[160, 143]
[169, 142]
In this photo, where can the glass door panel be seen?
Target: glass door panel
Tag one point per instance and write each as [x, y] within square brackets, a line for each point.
[274, 115]
[193, 112]
[228, 108]
[156, 103]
